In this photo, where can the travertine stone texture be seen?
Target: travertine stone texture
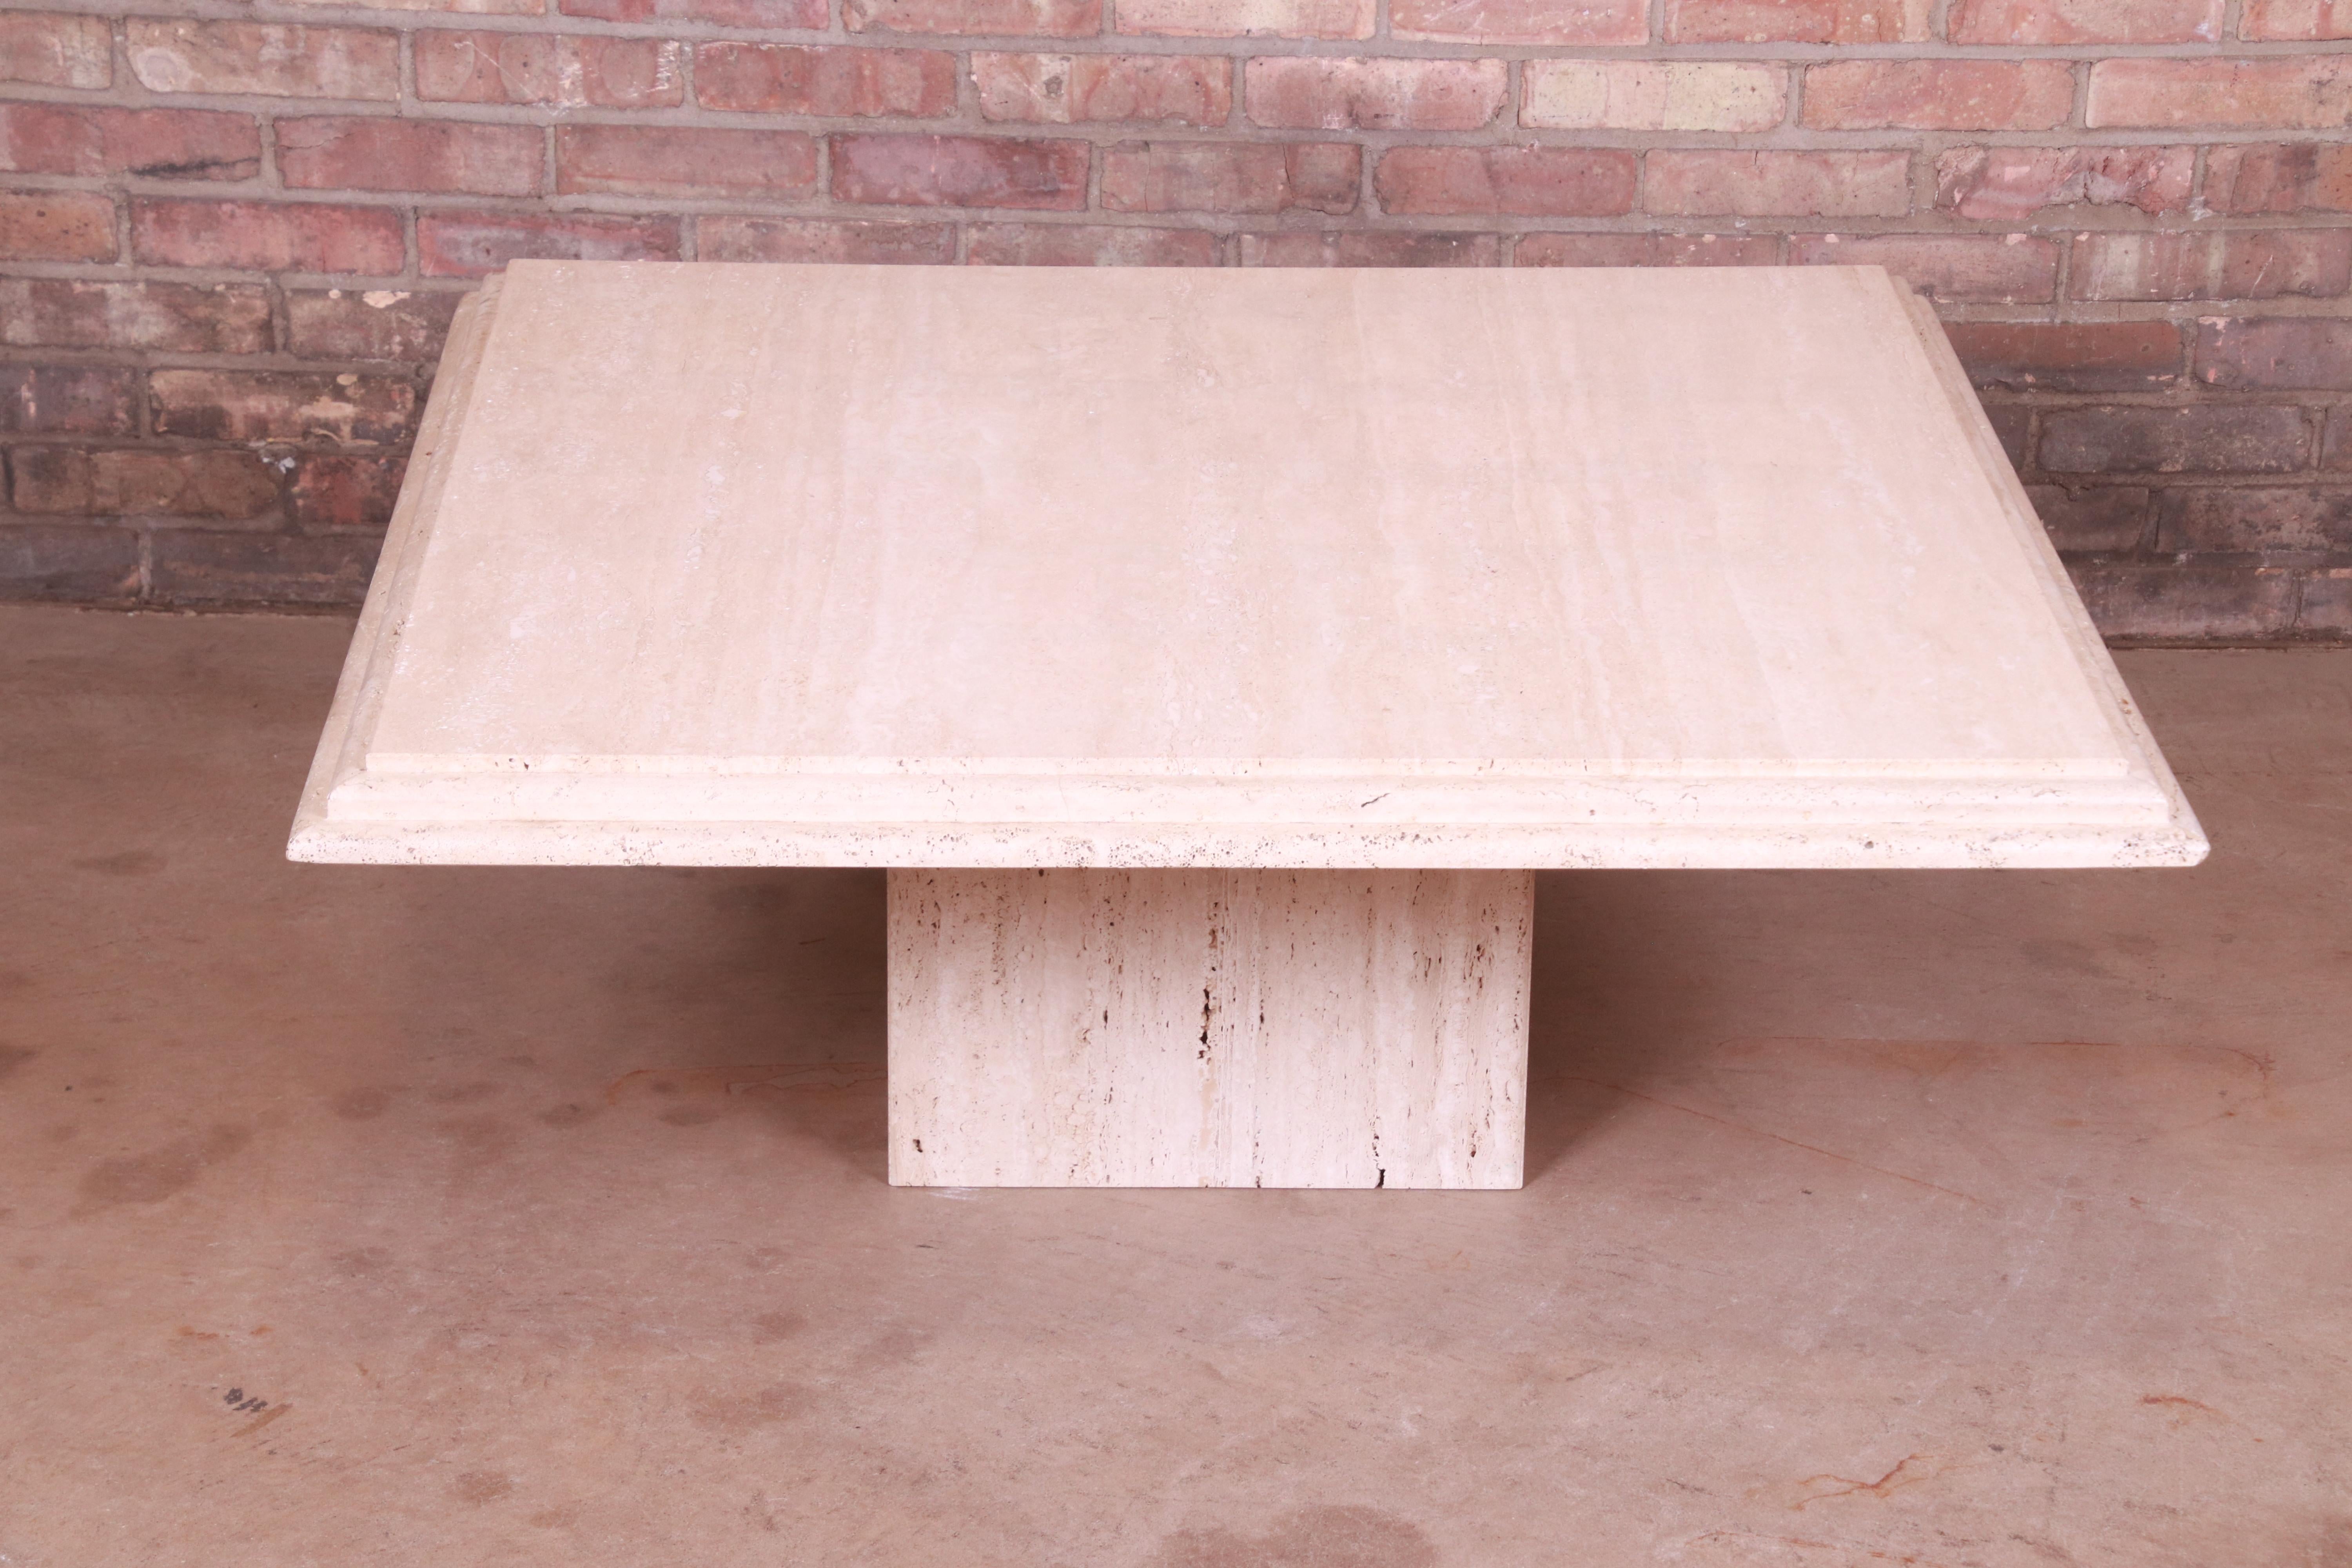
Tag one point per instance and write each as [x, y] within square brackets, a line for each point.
[1209, 1028]
[796, 565]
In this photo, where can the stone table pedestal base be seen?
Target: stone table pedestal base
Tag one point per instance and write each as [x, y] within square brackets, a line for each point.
[1209, 1028]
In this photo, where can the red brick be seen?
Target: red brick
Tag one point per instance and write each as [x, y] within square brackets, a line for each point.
[627, 160]
[266, 237]
[2324, 609]
[260, 57]
[56, 225]
[373, 323]
[2074, 356]
[50, 479]
[2242, 519]
[1525, 182]
[2122, 440]
[2186, 603]
[182, 484]
[977, 18]
[803, 14]
[2336, 443]
[2004, 185]
[1246, 19]
[1647, 250]
[73, 564]
[794, 79]
[1768, 185]
[1522, 21]
[2247, 264]
[1938, 95]
[2295, 21]
[1067, 90]
[2085, 21]
[811, 239]
[1797, 21]
[1299, 92]
[961, 171]
[2011, 422]
[1361, 247]
[2100, 519]
[2001, 268]
[1212, 176]
[2301, 176]
[334, 492]
[49, 48]
[1653, 95]
[2292, 92]
[1087, 245]
[182, 317]
[470, 244]
[572, 69]
[66, 400]
[153, 143]
[377, 153]
[204, 566]
[454, 7]
[280, 405]
[2300, 352]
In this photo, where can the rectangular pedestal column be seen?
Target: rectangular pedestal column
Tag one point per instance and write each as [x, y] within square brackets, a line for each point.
[1209, 1028]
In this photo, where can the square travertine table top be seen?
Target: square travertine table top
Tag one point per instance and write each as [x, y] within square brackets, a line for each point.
[778, 565]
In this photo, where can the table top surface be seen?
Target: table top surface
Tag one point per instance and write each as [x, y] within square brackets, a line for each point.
[939, 567]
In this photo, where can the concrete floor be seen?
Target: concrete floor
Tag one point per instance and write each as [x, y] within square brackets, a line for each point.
[481, 1217]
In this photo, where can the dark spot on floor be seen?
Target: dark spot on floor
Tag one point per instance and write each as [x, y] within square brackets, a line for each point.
[555, 1517]
[14, 1057]
[691, 1115]
[363, 1104]
[461, 1094]
[478, 1487]
[740, 1413]
[476, 1143]
[769, 1327]
[362, 1260]
[127, 863]
[561, 1116]
[1307, 1538]
[151, 1177]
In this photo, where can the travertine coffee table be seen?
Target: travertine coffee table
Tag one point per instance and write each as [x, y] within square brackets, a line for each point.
[1211, 657]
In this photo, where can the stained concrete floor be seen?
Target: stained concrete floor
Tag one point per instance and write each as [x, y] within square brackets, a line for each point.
[484, 1216]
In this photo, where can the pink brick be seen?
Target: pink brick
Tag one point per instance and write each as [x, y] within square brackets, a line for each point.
[2304, 177]
[2292, 92]
[470, 244]
[1993, 269]
[380, 154]
[447, 8]
[2085, 21]
[50, 49]
[1068, 90]
[793, 78]
[1768, 185]
[1525, 182]
[184, 318]
[2005, 184]
[1240, 177]
[1522, 21]
[571, 70]
[56, 225]
[628, 160]
[1647, 250]
[812, 239]
[2295, 21]
[153, 144]
[1087, 245]
[1938, 95]
[979, 18]
[803, 13]
[264, 58]
[961, 171]
[2244, 264]
[373, 323]
[1797, 21]
[1248, 18]
[336, 493]
[267, 236]
[1653, 95]
[1297, 92]
[280, 405]
[1376, 248]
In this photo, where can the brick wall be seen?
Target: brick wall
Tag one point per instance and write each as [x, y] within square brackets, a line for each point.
[231, 235]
